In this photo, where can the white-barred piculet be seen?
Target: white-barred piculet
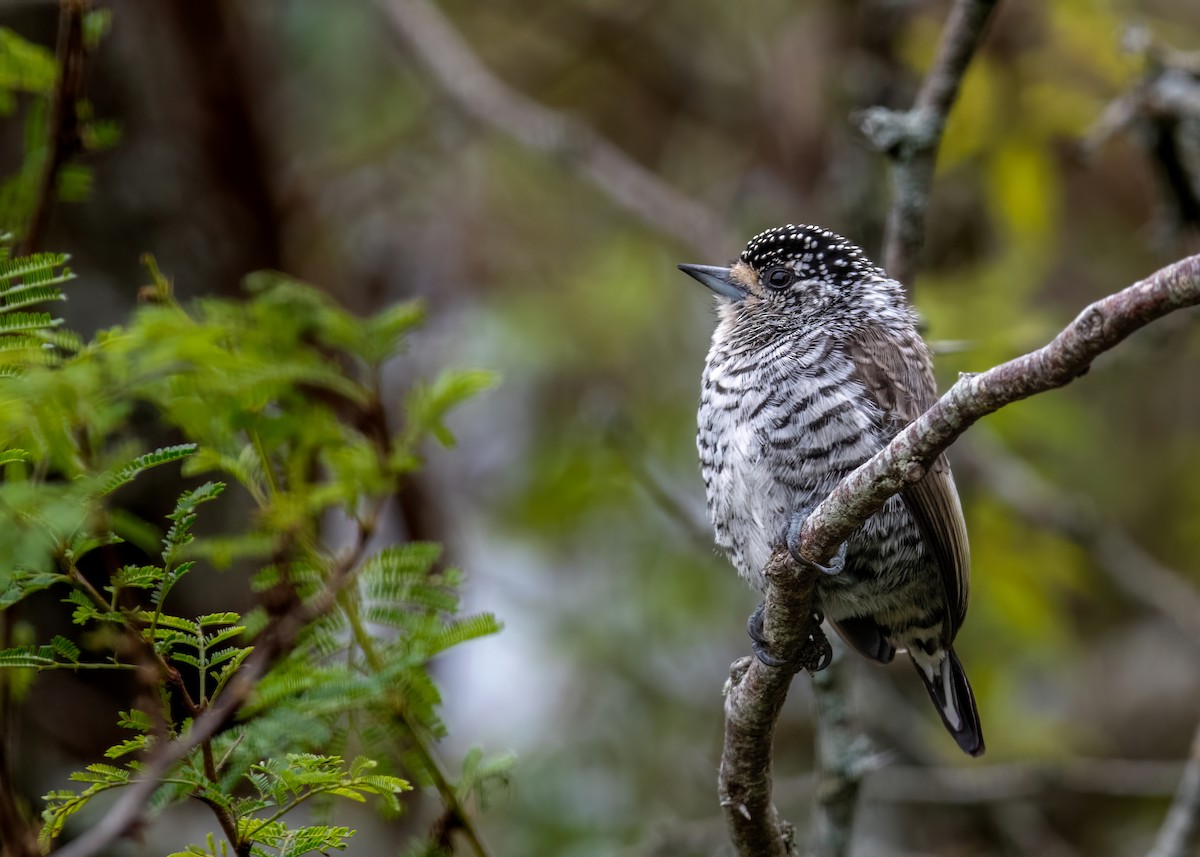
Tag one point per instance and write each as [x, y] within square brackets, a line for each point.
[816, 363]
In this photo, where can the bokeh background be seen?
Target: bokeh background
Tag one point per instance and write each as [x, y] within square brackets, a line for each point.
[344, 143]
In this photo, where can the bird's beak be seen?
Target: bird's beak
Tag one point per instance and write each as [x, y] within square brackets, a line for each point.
[716, 279]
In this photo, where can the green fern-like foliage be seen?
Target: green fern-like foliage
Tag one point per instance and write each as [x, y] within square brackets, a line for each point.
[28, 336]
[279, 419]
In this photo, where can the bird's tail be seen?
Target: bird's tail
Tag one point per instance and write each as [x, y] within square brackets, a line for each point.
[951, 694]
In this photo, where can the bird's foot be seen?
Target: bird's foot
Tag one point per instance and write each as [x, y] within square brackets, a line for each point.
[791, 538]
[754, 627]
[815, 655]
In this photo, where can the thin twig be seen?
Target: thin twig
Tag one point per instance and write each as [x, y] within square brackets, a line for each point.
[454, 808]
[1008, 781]
[1001, 783]
[753, 702]
[1179, 835]
[62, 137]
[911, 138]
[432, 39]
[676, 504]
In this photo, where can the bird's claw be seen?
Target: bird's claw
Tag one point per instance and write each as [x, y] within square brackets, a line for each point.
[754, 627]
[824, 653]
[808, 659]
[791, 538]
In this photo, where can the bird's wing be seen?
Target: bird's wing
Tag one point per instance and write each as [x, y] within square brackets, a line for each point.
[895, 368]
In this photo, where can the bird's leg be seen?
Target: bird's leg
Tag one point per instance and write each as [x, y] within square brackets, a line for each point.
[791, 538]
[813, 661]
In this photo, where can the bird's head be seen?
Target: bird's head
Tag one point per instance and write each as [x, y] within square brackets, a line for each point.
[799, 272]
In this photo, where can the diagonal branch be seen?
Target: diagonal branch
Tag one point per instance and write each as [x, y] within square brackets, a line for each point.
[756, 693]
[447, 57]
[911, 138]
[1179, 835]
[277, 640]
[1100, 327]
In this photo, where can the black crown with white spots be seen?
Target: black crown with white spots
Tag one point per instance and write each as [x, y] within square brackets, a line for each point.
[813, 252]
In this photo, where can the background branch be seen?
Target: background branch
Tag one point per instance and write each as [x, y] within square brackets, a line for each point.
[62, 138]
[911, 138]
[754, 705]
[844, 755]
[1157, 109]
[432, 39]
[1101, 326]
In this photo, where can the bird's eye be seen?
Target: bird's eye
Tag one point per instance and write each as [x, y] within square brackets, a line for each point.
[778, 278]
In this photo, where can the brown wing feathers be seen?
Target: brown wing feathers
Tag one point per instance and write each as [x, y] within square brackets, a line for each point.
[896, 371]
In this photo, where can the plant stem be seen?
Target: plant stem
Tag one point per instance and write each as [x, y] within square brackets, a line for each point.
[428, 760]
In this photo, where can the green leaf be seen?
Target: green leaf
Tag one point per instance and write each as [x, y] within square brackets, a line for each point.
[184, 517]
[25, 66]
[9, 456]
[134, 719]
[137, 577]
[19, 322]
[23, 582]
[127, 472]
[29, 295]
[129, 745]
[428, 404]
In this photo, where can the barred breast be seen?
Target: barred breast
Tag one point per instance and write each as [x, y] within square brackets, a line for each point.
[780, 424]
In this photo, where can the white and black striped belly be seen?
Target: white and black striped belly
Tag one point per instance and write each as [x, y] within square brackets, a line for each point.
[779, 427]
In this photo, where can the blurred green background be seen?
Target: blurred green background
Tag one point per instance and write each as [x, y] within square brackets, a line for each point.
[310, 136]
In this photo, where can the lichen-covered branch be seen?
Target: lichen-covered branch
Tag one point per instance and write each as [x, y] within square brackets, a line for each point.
[756, 692]
[911, 138]
[1100, 326]
[753, 697]
[1161, 106]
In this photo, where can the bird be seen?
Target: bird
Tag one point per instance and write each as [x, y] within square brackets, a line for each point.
[815, 364]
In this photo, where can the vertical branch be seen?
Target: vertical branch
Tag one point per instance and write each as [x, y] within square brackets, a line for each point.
[62, 138]
[911, 138]
[843, 754]
[17, 832]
